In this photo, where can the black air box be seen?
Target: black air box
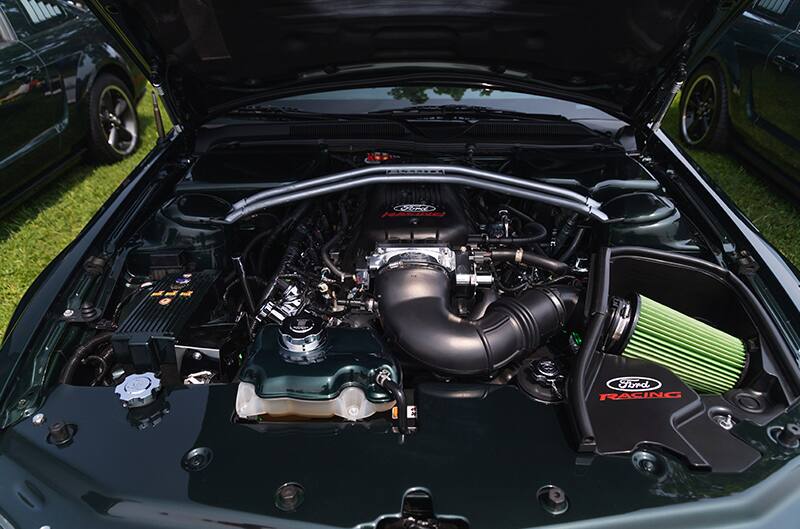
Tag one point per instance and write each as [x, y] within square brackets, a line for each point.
[148, 333]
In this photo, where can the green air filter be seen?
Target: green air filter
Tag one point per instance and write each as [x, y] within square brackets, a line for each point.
[704, 358]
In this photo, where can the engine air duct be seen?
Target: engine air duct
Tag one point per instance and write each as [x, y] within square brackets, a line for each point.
[413, 304]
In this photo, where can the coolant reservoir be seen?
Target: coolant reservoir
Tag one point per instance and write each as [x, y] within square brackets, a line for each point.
[351, 404]
[300, 369]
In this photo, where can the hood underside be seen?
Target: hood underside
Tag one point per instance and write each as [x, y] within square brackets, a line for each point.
[623, 56]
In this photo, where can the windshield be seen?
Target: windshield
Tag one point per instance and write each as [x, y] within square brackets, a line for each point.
[365, 100]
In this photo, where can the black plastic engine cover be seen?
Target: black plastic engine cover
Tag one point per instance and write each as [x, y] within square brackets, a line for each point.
[635, 403]
[427, 213]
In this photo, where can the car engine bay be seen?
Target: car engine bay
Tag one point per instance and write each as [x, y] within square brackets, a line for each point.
[348, 295]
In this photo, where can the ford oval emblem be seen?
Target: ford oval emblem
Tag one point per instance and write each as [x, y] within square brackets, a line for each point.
[633, 384]
[414, 208]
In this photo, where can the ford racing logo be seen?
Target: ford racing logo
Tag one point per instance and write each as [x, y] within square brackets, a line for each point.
[414, 208]
[633, 384]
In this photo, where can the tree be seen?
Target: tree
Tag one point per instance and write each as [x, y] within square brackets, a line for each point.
[417, 95]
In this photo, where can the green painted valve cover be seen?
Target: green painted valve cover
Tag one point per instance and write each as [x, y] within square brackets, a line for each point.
[351, 358]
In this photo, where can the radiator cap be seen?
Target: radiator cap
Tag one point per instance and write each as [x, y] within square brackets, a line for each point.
[138, 390]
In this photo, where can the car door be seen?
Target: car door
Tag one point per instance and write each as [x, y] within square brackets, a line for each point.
[784, 65]
[29, 110]
[773, 107]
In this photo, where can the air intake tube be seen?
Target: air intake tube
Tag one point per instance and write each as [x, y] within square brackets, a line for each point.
[413, 302]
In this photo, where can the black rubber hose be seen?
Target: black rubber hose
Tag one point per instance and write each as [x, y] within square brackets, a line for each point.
[513, 241]
[413, 303]
[509, 241]
[576, 388]
[68, 372]
[565, 233]
[289, 255]
[570, 250]
[292, 249]
[539, 261]
[539, 230]
[103, 362]
[597, 310]
[285, 223]
[255, 240]
[326, 258]
[519, 213]
[252, 279]
[399, 397]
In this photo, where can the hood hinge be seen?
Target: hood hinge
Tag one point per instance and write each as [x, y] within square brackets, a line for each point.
[743, 263]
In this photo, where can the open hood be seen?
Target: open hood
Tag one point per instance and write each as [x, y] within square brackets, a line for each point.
[626, 57]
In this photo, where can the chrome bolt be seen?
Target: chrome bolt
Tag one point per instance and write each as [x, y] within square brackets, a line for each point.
[69, 313]
[725, 421]
[38, 419]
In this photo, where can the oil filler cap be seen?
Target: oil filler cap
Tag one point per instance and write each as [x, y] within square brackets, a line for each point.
[138, 390]
[303, 334]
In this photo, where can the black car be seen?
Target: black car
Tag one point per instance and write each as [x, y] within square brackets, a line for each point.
[409, 264]
[746, 93]
[65, 89]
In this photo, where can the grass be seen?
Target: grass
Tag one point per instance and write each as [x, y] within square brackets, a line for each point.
[33, 234]
[775, 214]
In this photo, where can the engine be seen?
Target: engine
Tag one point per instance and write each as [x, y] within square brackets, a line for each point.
[421, 271]
[353, 307]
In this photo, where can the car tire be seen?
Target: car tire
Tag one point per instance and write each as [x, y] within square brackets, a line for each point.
[704, 121]
[113, 123]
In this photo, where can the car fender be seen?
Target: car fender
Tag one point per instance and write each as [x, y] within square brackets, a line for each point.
[95, 58]
[726, 57]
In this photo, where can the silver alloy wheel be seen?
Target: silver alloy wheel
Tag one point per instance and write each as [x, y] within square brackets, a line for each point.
[699, 112]
[118, 120]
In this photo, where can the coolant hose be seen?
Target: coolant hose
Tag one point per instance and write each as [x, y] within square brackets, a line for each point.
[413, 304]
[539, 261]
[399, 397]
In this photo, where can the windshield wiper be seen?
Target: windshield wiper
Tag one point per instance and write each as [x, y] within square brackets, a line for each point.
[468, 110]
[418, 111]
[278, 112]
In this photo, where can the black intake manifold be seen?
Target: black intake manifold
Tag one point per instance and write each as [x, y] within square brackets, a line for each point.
[413, 302]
